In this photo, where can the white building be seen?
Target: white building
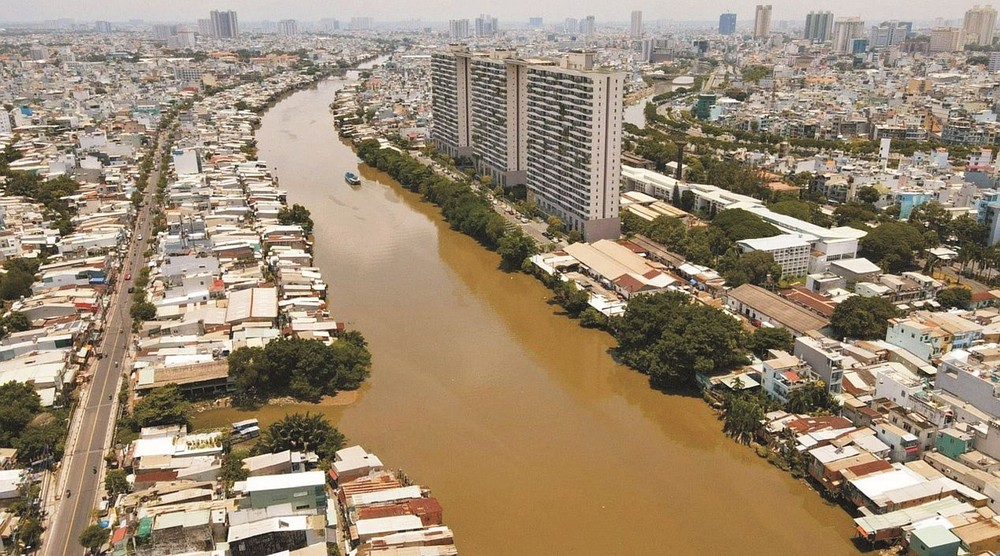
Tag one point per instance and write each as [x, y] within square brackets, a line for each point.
[980, 24]
[947, 39]
[845, 30]
[458, 29]
[762, 21]
[789, 251]
[288, 27]
[225, 25]
[783, 374]
[636, 27]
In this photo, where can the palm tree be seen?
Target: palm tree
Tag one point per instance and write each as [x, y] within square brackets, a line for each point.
[308, 432]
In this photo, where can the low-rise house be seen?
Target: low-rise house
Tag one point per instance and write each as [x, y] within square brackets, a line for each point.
[306, 492]
[763, 307]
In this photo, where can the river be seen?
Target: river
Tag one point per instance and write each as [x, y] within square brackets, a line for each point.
[532, 438]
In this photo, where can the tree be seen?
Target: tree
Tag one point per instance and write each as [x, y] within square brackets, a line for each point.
[15, 321]
[297, 214]
[933, 217]
[30, 532]
[957, 296]
[555, 225]
[892, 245]
[514, 248]
[143, 311]
[233, 469]
[19, 403]
[571, 297]
[739, 224]
[115, 482]
[764, 339]
[94, 537]
[812, 399]
[854, 213]
[162, 406]
[687, 200]
[868, 195]
[308, 432]
[744, 415]
[670, 339]
[41, 440]
[667, 230]
[753, 268]
[15, 284]
[864, 318]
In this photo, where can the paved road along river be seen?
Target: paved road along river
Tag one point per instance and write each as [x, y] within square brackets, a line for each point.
[533, 439]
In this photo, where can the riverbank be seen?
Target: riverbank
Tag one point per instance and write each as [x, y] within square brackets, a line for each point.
[475, 374]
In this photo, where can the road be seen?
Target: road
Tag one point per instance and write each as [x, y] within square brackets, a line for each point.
[92, 429]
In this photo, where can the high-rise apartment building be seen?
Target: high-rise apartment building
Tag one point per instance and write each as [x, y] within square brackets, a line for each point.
[450, 102]
[888, 33]
[458, 29]
[845, 30]
[946, 39]
[205, 27]
[555, 128]
[571, 25]
[163, 32]
[361, 23]
[727, 24]
[225, 25]
[819, 26]
[486, 26]
[535, 22]
[288, 27]
[587, 25]
[762, 21]
[980, 25]
[182, 38]
[103, 27]
[636, 28]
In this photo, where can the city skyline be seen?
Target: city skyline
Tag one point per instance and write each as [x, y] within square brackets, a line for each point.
[443, 10]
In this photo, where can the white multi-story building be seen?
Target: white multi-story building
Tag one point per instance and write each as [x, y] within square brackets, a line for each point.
[636, 28]
[225, 25]
[458, 29]
[486, 26]
[789, 251]
[450, 101]
[587, 25]
[845, 30]
[947, 39]
[980, 24]
[762, 21]
[819, 26]
[288, 27]
[574, 123]
[555, 128]
[782, 374]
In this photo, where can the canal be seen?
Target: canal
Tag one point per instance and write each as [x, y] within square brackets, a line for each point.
[532, 438]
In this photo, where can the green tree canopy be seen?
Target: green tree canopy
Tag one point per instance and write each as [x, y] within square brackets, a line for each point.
[514, 248]
[670, 339]
[957, 296]
[892, 245]
[812, 399]
[864, 318]
[744, 416]
[764, 339]
[308, 432]
[162, 406]
[115, 482]
[302, 368]
[739, 224]
[853, 213]
[297, 214]
[94, 537]
[19, 403]
[868, 195]
[753, 268]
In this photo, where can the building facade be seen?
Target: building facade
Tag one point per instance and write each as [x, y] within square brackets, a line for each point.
[819, 26]
[450, 102]
[762, 21]
[727, 24]
[636, 27]
[458, 29]
[980, 24]
[845, 30]
[225, 25]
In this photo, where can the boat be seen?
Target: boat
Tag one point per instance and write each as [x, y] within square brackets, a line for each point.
[352, 178]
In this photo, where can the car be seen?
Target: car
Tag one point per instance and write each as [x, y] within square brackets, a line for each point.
[128, 275]
[131, 289]
[140, 237]
[524, 220]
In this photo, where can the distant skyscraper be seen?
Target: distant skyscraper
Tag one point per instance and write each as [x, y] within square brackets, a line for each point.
[587, 25]
[845, 30]
[183, 38]
[458, 29]
[163, 32]
[205, 27]
[727, 24]
[571, 25]
[946, 39]
[225, 25]
[994, 64]
[486, 26]
[819, 26]
[888, 33]
[636, 30]
[103, 27]
[288, 27]
[535, 22]
[361, 23]
[762, 21]
[980, 24]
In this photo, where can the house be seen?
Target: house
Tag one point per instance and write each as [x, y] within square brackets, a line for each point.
[783, 374]
[935, 540]
[353, 462]
[763, 307]
[306, 492]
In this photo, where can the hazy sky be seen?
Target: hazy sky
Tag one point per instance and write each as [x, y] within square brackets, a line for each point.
[441, 10]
